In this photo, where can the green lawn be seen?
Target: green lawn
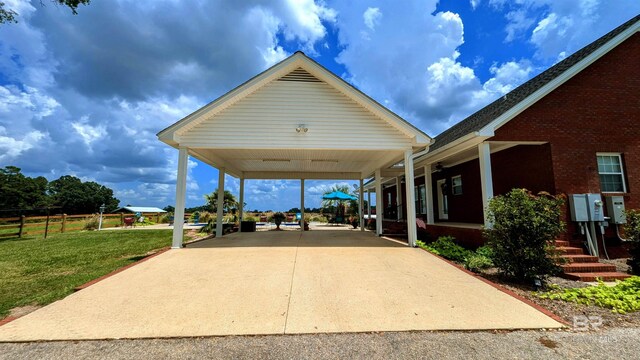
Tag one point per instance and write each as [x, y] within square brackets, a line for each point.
[35, 271]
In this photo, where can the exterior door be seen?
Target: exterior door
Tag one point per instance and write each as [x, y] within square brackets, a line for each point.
[443, 204]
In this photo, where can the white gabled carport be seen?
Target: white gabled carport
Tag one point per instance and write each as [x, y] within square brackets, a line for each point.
[296, 120]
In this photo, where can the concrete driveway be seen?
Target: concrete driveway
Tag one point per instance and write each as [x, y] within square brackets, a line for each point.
[280, 282]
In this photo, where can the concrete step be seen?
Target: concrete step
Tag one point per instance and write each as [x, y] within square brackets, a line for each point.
[593, 276]
[569, 250]
[580, 258]
[592, 267]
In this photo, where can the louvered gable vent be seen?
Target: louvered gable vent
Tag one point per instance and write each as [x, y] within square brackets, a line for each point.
[300, 75]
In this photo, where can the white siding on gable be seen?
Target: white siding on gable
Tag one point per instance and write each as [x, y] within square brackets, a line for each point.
[269, 117]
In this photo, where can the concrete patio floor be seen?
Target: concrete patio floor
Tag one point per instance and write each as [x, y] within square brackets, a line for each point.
[280, 282]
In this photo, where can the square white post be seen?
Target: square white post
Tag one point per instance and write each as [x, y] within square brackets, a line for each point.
[428, 185]
[486, 179]
[361, 204]
[409, 182]
[302, 204]
[220, 209]
[181, 191]
[398, 198]
[379, 205]
[241, 205]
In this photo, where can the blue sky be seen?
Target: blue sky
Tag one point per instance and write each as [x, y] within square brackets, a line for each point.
[86, 94]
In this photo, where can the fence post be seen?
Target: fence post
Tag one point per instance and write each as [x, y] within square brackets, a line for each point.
[121, 219]
[46, 227]
[21, 225]
[64, 222]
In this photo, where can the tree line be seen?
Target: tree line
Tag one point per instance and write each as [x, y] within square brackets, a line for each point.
[23, 195]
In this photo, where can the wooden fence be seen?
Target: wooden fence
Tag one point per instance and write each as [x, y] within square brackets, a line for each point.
[44, 225]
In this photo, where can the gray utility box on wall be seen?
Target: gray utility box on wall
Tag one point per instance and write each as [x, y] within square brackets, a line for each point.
[595, 207]
[578, 207]
[586, 207]
[615, 209]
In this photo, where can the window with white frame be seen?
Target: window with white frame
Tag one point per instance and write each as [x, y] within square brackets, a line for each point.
[421, 199]
[611, 172]
[456, 185]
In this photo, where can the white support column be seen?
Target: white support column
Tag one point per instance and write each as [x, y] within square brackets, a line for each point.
[428, 185]
[361, 205]
[220, 210]
[409, 182]
[241, 205]
[369, 203]
[379, 205]
[398, 198]
[302, 204]
[486, 179]
[181, 192]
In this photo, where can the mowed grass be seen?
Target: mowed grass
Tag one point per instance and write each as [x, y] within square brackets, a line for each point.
[38, 271]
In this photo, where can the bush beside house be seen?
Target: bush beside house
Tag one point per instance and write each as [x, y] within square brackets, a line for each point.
[523, 226]
[632, 231]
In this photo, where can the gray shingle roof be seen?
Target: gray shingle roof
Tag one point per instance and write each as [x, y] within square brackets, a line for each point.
[484, 116]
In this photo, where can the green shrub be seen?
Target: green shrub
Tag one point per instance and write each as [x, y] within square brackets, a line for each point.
[448, 249]
[523, 225]
[621, 298]
[249, 218]
[164, 218]
[476, 262]
[485, 251]
[209, 227]
[91, 222]
[632, 232]
[318, 218]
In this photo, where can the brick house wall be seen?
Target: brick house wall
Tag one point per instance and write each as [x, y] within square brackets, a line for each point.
[525, 166]
[598, 110]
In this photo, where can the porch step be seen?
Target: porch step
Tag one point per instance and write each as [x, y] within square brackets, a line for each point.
[561, 243]
[569, 250]
[593, 276]
[580, 258]
[592, 267]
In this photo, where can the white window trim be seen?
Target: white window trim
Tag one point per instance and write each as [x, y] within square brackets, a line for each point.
[453, 186]
[621, 173]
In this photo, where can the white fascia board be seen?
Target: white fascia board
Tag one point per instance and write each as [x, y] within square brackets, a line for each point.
[460, 144]
[555, 83]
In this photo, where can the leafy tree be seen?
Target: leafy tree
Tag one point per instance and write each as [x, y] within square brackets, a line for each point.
[229, 201]
[169, 208]
[77, 197]
[632, 231]
[523, 226]
[9, 15]
[20, 192]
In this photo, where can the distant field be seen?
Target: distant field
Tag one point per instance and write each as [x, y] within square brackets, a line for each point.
[37, 271]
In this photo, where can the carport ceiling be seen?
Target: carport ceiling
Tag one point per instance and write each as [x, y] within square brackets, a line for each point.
[297, 163]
